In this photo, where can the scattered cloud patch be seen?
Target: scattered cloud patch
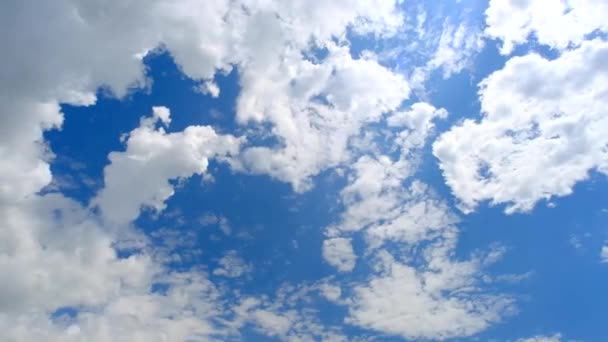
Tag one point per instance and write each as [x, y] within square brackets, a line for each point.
[540, 338]
[231, 265]
[339, 253]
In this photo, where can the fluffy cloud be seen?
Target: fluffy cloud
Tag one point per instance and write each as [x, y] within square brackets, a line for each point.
[457, 45]
[140, 175]
[556, 23]
[315, 108]
[542, 131]
[83, 45]
[339, 253]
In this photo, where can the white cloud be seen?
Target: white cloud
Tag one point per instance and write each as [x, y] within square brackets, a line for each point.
[163, 114]
[539, 338]
[183, 312]
[604, 254]
[437, 37]
[417, 124]
[287, 315]
[421, 292]
[330, 292]
[87, 45]
[555, 23]
[417, 290]
[314, 110]
[55, 255]
[62, 52]
[231, 265]
[542, 131]
[222, 222]
[50, 244]
[271, 323]
[375, 191]
[339, 253]
[140, 175]
[209, 88]
[437, 302]
[457, 46]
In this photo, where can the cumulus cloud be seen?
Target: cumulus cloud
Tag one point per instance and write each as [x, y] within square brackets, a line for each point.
[64, 52]
[457, 45]
[313, 108]
[140, 175]
[556, 23]
[541, 132]
[419, 291]
[376, 191]
[286, 315]
[68, 67]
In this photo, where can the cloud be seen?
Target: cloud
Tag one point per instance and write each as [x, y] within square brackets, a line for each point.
[541, 131]
[50, 243]
[558, 24]
[209, 88]
[286, 315]
[604, 254]
[209, 219]
[184, 311]
[339, 253]
[539, 338]
[90, 45]
[123, 290]
[457, 45]
[375, 190]
[437, 304]
[314, 110]
[64, 52]
[231, 265]
[56, 255]
[140, 175]
[416, 288]
[438, 37]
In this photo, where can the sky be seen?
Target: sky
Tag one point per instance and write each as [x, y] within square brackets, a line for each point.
[305, 170]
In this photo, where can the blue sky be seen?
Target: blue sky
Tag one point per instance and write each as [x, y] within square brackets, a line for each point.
[304, 171]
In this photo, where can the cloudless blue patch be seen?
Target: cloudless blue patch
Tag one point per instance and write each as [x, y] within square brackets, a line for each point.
[65, 312]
